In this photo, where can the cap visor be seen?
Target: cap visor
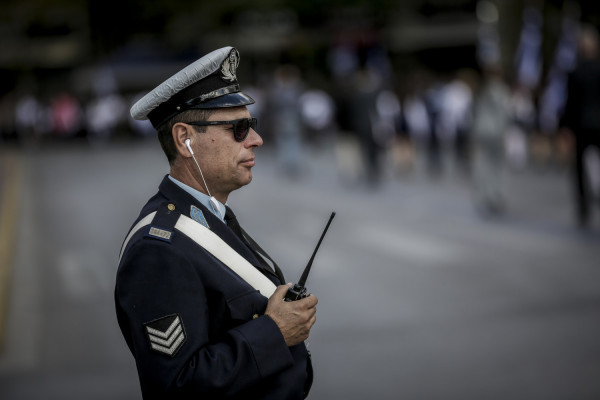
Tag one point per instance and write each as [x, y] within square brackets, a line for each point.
[237, 99]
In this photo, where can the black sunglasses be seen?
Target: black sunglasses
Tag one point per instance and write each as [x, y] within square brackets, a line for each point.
[241, 127]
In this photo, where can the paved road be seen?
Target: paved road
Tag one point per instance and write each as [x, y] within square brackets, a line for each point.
[420, 298]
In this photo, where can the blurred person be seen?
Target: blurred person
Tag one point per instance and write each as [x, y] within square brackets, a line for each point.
[416, 117]
[104, 112]
[528, 67]
[363, 117]
[553, 97]
[200, 308]
[318, 117]
[388, 117]
[554, 144]
[488, 37]
[433, 104]
[529, 51]
[492, 118]
[582, 115]
[528, 73]
[103, 115]
[455, 116]
[286, 118]
[66, 114]
[32, 119]
[386, 127]
[343, 61]
[524, 115]
[317, 110]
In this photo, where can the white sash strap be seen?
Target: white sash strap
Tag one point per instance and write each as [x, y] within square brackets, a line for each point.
[212, 243]
[141, 223]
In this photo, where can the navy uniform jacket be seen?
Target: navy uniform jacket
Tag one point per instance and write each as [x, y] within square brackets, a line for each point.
[195, 328]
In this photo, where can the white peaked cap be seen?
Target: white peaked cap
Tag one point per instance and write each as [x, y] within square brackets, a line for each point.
[209, 82]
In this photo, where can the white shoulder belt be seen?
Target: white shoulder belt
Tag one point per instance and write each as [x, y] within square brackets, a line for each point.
[212, 243]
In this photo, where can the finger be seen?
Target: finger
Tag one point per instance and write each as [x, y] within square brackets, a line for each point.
[310, 301]
[309, 325]
[280, 292]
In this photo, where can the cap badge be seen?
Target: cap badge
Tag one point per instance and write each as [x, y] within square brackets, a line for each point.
[230, 65]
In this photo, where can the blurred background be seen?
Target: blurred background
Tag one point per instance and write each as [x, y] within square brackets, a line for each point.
[464, 259]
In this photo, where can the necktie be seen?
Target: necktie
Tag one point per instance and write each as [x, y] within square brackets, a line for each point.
[232, 222]
[234, 225]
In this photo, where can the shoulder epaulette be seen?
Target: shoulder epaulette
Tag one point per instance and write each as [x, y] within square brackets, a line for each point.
[162, 226]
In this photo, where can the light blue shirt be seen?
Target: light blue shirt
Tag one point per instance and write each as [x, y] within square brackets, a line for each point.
[202, 198]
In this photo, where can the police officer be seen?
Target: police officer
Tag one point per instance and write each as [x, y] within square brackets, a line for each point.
[199, 304]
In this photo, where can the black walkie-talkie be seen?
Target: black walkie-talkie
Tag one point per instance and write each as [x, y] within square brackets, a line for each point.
[298, 291]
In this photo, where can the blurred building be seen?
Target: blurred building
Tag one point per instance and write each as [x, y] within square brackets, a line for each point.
[60, 46]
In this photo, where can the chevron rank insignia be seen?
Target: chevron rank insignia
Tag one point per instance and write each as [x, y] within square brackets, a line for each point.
[166, 335]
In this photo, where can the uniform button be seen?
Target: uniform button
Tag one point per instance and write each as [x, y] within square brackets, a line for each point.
[255, 316]
[171, 206]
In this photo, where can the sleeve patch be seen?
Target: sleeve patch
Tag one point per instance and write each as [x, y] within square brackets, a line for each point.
[165, 335]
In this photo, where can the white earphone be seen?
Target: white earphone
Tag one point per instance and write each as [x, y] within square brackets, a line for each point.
[187, 143]
[213, 202]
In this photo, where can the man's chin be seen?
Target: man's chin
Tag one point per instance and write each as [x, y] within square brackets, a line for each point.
[246, 179]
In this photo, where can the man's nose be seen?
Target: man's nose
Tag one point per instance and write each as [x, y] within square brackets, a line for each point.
[253, 139]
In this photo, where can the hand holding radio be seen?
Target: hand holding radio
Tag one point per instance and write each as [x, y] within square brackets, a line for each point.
[292, 308]
[294, 318]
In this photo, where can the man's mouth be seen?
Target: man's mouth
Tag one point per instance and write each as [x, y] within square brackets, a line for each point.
[248, 162]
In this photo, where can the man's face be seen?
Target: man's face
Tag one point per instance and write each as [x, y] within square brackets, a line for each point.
[226, 163]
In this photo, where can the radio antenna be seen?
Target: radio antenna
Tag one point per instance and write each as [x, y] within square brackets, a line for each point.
[304, 276]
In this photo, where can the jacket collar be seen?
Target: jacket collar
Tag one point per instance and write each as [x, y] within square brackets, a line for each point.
[185, 202]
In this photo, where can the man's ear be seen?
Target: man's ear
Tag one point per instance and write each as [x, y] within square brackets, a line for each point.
[181, 132]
